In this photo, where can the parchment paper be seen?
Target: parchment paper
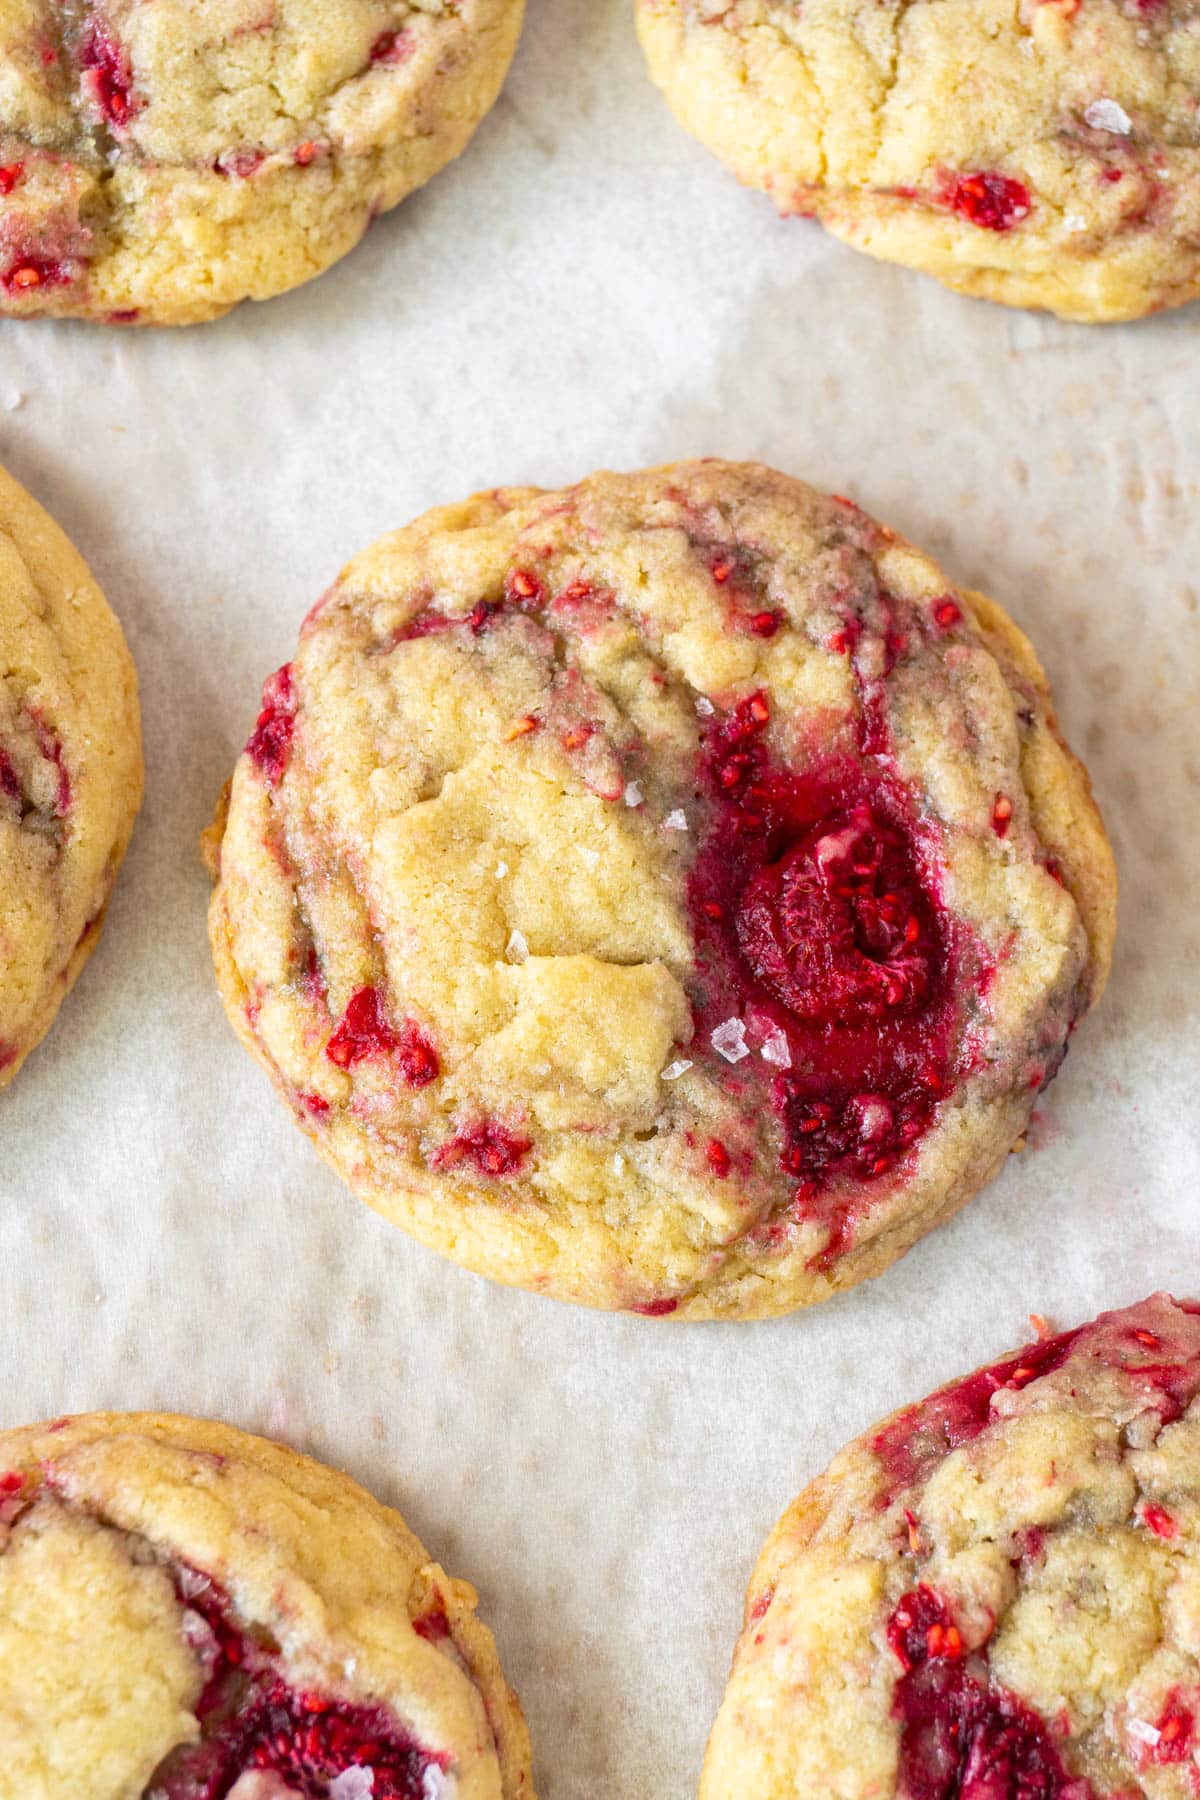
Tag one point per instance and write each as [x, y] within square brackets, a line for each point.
[584, 288]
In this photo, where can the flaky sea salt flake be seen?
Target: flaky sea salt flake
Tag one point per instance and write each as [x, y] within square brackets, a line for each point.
[675, 1069]
[1144, 1733]
[516, 949]
[1106, 115]
[704, 706]
[775, 1050]
[633, 794]
[588, 857]
[729, 1041]
[354, 1783]
[676, 821]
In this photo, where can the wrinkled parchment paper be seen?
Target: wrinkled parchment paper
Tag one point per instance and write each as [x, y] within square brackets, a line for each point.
[584, 288]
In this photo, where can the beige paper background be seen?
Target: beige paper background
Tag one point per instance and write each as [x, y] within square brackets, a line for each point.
[584, 287]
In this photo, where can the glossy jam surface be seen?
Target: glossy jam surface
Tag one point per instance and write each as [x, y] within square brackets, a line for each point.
[818, 927]
[252, 1721]
[962, 1737]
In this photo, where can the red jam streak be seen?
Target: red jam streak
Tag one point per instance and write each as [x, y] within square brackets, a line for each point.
[493, 1150]
[962, 1736]
[1156, 1345]
[365, 1031]
[271, 740]
[29, 273]
[992, 201]
[252, 1720]
[10, 174]
[108, 77]
[813, 916]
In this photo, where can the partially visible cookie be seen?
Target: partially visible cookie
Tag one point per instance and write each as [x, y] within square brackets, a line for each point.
[188, 1613]
[161, 160]
[669, 894]
[994, 1595]
[1044, 153]
[70, 768]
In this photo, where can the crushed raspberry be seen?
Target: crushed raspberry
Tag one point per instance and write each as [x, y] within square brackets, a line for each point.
[241, 164]
[523, 588]
[947, 613]
[10, 174]
[108, 76]
[433, 1626]
[492, 1149]
[10, 784]
[812, 912]
[963, 1737]
[923, 1434]
[271, 740]
[717, 1158]
[28, 273]
[763, 624]
[1002, 812]
[1160, 1521]
[1176, 1732]
[656, 1309]
[365, 1031]
[251, 1719]
[993, 201]
[305, 153]
[393, 47]
[481, 616]
[922, 1627]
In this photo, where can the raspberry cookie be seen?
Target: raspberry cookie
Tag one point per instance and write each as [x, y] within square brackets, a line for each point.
[70, 768]
[162, 160]
[993, 1595]
[188, 1613]
[1044, 154]
[670, 894]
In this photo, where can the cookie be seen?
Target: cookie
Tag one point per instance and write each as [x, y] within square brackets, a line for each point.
[189, 1613]
[669, 894]
[160, 160]
[1042, 154]
[993, 1595]
[70, 768]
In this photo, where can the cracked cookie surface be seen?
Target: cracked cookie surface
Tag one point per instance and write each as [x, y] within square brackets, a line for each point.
[1045, 153]
[668, 894]
[161, 161]
[189, 1613]
[994, 1595]
[70, 768]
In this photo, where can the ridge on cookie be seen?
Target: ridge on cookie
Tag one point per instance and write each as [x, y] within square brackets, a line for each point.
[1043, 154]
[669, 894]
[189, 1613]
[161, 162]
[991, 1595]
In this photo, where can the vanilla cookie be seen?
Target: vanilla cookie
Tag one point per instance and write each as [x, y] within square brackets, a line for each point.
[669, 894]
[70, 768]
[188, 1613]
[1043, 154]
[161, 160]
[992, 1595]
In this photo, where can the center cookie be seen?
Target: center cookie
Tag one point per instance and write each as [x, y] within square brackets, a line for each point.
[669, 894]
[161, 160]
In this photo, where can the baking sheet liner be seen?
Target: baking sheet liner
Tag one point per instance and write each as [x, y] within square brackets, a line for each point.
[585, 287]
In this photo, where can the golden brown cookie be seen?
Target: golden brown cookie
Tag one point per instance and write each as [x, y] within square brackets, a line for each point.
[70, 768]
[668, 894]
[188, 1613]
[161, 160]
[1044, 153]
[991, 1596]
